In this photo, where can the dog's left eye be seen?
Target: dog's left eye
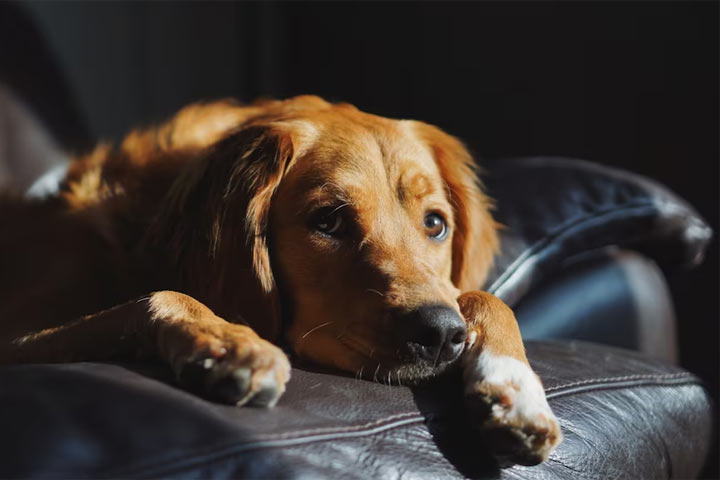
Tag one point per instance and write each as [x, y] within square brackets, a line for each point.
[435, 226]
[329, 221]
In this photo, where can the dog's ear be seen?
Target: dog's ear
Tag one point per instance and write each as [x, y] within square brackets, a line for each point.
[475, 240]
[214, 222]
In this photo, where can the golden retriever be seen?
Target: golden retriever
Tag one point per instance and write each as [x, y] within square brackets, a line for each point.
[357, 241]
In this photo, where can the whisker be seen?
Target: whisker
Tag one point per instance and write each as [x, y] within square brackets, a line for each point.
[339, 207]
[317, 328]
[338, 191]
[375, 379]
[451, 198]
[375, 291]
[345, 330]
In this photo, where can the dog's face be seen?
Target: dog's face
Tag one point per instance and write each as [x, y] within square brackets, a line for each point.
[361, 232]
[361, 242]
[369, 228]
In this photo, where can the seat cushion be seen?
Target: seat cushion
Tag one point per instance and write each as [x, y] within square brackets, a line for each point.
[621, 414]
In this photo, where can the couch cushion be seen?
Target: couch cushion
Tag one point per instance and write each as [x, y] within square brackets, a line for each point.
[620, 413]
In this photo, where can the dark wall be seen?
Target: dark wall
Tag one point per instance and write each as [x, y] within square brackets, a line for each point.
[135, 62]
[628, 84]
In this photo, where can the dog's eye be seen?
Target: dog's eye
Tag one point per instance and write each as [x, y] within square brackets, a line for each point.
[436, 226]
[329, 221]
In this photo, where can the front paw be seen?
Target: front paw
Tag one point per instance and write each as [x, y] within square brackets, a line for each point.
[508, 402]
[231, 364]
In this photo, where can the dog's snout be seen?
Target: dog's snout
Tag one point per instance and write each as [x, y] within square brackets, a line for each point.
[436, 333]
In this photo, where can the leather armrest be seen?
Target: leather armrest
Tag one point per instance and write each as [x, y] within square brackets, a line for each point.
[555, 209]
[621, 414]
[611, 296]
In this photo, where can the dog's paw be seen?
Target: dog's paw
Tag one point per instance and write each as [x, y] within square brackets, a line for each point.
[231, 365]
[507, 400]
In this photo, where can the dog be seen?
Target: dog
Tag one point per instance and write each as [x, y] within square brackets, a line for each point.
[358, 242]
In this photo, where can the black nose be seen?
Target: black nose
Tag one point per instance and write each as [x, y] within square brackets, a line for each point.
[436, 333]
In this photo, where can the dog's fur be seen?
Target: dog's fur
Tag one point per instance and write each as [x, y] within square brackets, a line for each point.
[221, 203]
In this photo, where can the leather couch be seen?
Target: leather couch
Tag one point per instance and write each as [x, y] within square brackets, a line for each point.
[583, 251]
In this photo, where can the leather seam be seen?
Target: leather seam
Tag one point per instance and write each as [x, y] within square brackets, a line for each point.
[353, 428]
[199, 457]
[221, 450]
[623, 378]
[596, 387]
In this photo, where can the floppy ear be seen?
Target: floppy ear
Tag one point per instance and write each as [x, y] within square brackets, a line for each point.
[475, 240]
[214, 222]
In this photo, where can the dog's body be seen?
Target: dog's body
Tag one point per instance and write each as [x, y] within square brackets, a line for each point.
[358, 241]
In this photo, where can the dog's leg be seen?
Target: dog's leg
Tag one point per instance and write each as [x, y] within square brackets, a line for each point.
[224, 361]
[501, 388]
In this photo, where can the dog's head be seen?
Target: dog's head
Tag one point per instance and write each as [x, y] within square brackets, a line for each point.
[365, 229]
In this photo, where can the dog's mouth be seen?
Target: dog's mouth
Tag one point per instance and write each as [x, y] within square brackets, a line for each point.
[400, 351]
[399, 367]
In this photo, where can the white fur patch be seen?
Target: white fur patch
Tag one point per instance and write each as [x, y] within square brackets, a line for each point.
[524, 401]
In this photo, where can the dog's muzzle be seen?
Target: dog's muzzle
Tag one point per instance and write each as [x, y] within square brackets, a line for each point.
[432, 334]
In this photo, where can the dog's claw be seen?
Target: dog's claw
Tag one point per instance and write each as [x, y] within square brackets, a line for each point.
[508, 404]
[234, 385]
[527, 443]
[231, 388]
[193, 373]
[267, 395]
[245, 370]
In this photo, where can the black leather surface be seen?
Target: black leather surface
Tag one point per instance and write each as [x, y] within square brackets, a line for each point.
[622, 415]
[611, 296]
[556, 208]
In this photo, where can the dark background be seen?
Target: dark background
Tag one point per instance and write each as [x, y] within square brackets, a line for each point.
[628, 84]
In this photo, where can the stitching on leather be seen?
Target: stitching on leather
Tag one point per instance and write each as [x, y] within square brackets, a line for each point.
[623, 378]
[219, 449]
[353, 428]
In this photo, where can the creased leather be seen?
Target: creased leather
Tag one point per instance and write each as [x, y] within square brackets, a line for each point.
[621, 414]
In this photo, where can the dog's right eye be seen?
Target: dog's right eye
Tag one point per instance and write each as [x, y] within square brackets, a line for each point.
[329, 221]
